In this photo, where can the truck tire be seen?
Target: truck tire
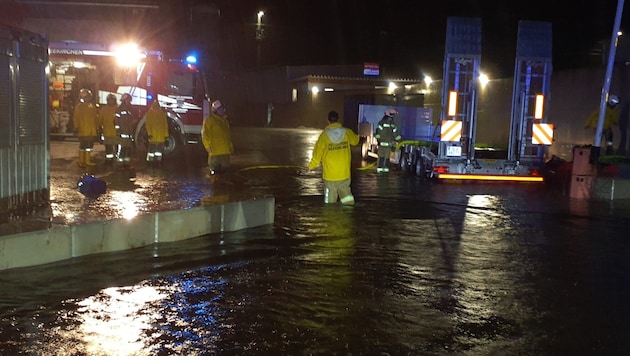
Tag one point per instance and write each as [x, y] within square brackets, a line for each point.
[405, 162]
[365, 148]
[420, 168]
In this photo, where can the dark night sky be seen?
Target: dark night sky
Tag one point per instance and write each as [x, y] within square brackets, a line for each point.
[407, 37]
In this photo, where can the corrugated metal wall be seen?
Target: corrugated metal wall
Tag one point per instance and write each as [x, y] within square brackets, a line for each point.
[24, 146]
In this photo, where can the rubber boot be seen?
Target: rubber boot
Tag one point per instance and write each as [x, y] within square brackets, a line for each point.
[81, 162]
[88, 159]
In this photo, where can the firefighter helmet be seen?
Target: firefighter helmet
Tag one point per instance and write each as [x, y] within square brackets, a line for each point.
[216, 105]
[125, 98]
[85, 95]
[111, 99]
[391, 112]
[613, 100]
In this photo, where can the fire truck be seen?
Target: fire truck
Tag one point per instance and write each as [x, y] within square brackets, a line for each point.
[530, 133]
[146, 75]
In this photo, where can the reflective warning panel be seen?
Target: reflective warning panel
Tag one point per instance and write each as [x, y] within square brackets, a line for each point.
[542, 134]
[451, 130]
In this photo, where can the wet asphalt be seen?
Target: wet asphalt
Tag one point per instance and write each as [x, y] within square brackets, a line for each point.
[416, 267]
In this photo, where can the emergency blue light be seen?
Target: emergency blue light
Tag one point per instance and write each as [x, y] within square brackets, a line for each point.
[191, 59]
[149, 96]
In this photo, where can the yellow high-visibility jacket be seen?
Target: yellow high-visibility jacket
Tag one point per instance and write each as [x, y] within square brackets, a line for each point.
[107, 118]
[156, 124]
[215, 135]
[610, 118]
[85, 119]
[332, 150]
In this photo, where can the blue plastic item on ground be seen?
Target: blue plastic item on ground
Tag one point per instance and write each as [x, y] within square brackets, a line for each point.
[90, 185]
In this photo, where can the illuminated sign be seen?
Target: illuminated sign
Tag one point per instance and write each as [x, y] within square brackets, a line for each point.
[371, 69]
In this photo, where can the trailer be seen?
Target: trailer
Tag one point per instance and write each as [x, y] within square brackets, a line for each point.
[530, 133]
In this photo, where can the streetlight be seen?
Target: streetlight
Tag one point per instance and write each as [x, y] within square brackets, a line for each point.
[260, 34]
[483, 79]
[259, 30]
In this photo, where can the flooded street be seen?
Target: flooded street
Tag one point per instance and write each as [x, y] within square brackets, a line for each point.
[414, 268]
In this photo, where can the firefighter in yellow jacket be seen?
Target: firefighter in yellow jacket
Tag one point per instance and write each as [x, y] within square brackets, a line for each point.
[215, 135]
[610, 119]
[157, 132]
[107, 118]
[85, 123]
[332, 151]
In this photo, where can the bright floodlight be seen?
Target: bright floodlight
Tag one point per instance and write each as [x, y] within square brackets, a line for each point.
[483, 79]
[128, 54]
[428, 80]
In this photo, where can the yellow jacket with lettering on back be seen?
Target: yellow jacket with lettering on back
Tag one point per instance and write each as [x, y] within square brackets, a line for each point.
[332, 150]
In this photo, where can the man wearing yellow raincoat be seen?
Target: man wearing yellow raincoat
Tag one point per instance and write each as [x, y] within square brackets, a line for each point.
[332, 151]
[107, 116]
[215, 134]
[85, 122]
[610, 119]
[157, 132]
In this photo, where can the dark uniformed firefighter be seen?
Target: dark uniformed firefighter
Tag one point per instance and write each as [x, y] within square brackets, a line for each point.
[85, 123]
[125, 122]
[387, 136]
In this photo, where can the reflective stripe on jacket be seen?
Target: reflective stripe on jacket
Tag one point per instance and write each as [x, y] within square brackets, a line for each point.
[387, 132]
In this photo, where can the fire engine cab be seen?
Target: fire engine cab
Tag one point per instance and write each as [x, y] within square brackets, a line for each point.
[146, 75]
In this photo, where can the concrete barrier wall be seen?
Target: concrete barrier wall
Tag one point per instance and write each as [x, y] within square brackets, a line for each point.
[61, 243]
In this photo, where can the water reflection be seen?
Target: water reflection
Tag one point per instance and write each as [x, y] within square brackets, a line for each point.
[127, 204]
[114, 321]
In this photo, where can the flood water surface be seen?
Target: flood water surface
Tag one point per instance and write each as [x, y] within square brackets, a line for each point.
[414, 268]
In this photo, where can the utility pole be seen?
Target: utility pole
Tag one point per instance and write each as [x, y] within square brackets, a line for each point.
[595, 152]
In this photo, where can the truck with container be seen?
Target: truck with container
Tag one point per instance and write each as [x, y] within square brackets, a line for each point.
[147, 75]
[415, 153]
